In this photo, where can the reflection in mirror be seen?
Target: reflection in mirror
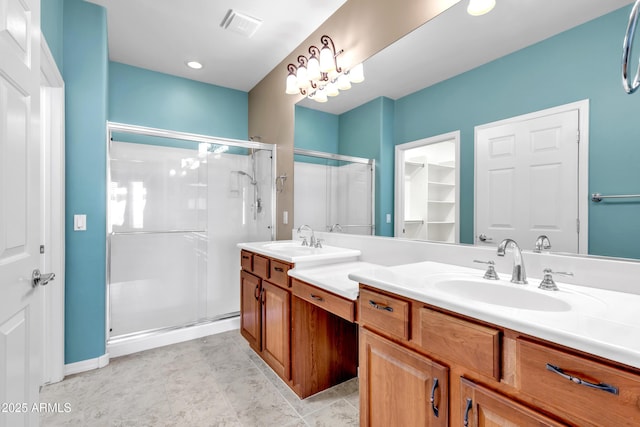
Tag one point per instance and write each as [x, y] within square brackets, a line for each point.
[426, 189]
[333, 192]
[520, 58]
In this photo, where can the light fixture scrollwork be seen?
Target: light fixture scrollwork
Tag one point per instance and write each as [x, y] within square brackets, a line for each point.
[320, 76]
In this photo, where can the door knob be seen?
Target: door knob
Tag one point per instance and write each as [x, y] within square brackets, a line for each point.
[484, 238]
[38, 278]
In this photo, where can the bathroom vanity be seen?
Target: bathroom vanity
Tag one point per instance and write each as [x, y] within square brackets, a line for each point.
[440, 345]
[306, 334]
[446, 369]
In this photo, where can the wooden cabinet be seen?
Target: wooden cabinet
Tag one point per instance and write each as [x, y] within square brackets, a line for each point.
[482, 407]
[590, 393]
[265, 310]
[251, 309]
[305, 334]
[276, 328]
[495, 376]
[400, 387]
[326, 300]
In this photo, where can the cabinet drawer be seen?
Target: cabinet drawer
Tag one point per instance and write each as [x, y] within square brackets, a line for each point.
[261, 266]
[385, 313]
[569, 390]
[278, 273]
[468, 344]
[246, 260]
[332, 303]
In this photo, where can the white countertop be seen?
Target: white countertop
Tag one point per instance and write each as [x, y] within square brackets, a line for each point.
[602, 322]
[293, 251]
[334, 277]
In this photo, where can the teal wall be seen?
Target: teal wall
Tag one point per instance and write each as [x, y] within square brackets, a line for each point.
[316, 130]
[86, 77]
[582, 63]
[366, 131]
[147, 98]
[51, 23]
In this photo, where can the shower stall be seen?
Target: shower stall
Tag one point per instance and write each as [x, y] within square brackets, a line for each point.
[334, 192]
[177, 206]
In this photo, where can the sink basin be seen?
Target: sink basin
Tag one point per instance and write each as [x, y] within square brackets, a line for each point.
[293, 251]
[502, 294]
[291, 248]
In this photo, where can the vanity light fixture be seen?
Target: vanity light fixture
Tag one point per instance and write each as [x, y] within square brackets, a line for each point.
[319, 75]
[480, 7]
[194, 65]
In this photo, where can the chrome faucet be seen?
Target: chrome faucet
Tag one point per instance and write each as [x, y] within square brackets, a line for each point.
[312, 241]
[518, 275]
[335, 227]
[542, 242]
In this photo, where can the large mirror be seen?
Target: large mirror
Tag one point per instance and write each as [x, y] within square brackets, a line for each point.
[459, 72]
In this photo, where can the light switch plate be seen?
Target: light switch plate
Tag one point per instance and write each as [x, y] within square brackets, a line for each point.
[80, 222]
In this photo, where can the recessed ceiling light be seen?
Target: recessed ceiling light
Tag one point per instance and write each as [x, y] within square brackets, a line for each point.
[194, 64]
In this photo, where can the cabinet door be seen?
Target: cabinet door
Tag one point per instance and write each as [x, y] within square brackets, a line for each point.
[482, 407]
[250, 309]
[276, 328]
[399, 387]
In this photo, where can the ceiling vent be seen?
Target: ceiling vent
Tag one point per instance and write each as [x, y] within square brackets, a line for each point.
[240, 23]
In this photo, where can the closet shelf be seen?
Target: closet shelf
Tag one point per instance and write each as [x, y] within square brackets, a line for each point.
[441, 222]
[442, 202]
[442, 184]
[414, 221]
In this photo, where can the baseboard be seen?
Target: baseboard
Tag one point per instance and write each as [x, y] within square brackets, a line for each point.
[147, 342]
[86, 365]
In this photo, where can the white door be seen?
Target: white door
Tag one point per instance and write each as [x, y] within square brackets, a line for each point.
[527, 181]
[20, 303]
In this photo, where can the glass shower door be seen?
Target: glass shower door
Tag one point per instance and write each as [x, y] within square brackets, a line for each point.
[158, 244]
[177, 210]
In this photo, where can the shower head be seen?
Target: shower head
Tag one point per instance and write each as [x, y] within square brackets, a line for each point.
[253, 181]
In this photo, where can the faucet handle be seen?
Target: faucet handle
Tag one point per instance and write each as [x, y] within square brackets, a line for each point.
[548, 283]
[490, 274]
[319, 243]
[304, 241]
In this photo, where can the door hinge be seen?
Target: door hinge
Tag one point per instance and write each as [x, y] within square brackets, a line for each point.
[41, 249]
[578, 225]
[578, 136]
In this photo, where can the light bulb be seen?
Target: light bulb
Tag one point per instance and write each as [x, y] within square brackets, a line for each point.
[356, 74]
[343, 82]
[327, 61]
[480, 7]
[302, 78]
[313, 68]
[331, 89]
[292, 85]
[320, 96]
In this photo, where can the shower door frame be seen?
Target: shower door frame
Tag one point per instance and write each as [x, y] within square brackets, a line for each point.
[352, 159]
[185, 136]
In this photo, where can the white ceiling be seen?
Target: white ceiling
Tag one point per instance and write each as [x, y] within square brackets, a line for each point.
[161, 35]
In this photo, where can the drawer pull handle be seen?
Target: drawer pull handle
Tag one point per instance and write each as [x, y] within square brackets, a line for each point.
[374, 304]
[256, 293]
[466, 412]
[432, 399]
[317, 298]
[280, 269]
[601, 386]
[245, 257]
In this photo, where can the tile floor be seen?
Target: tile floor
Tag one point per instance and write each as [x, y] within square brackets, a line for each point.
[212, 381]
